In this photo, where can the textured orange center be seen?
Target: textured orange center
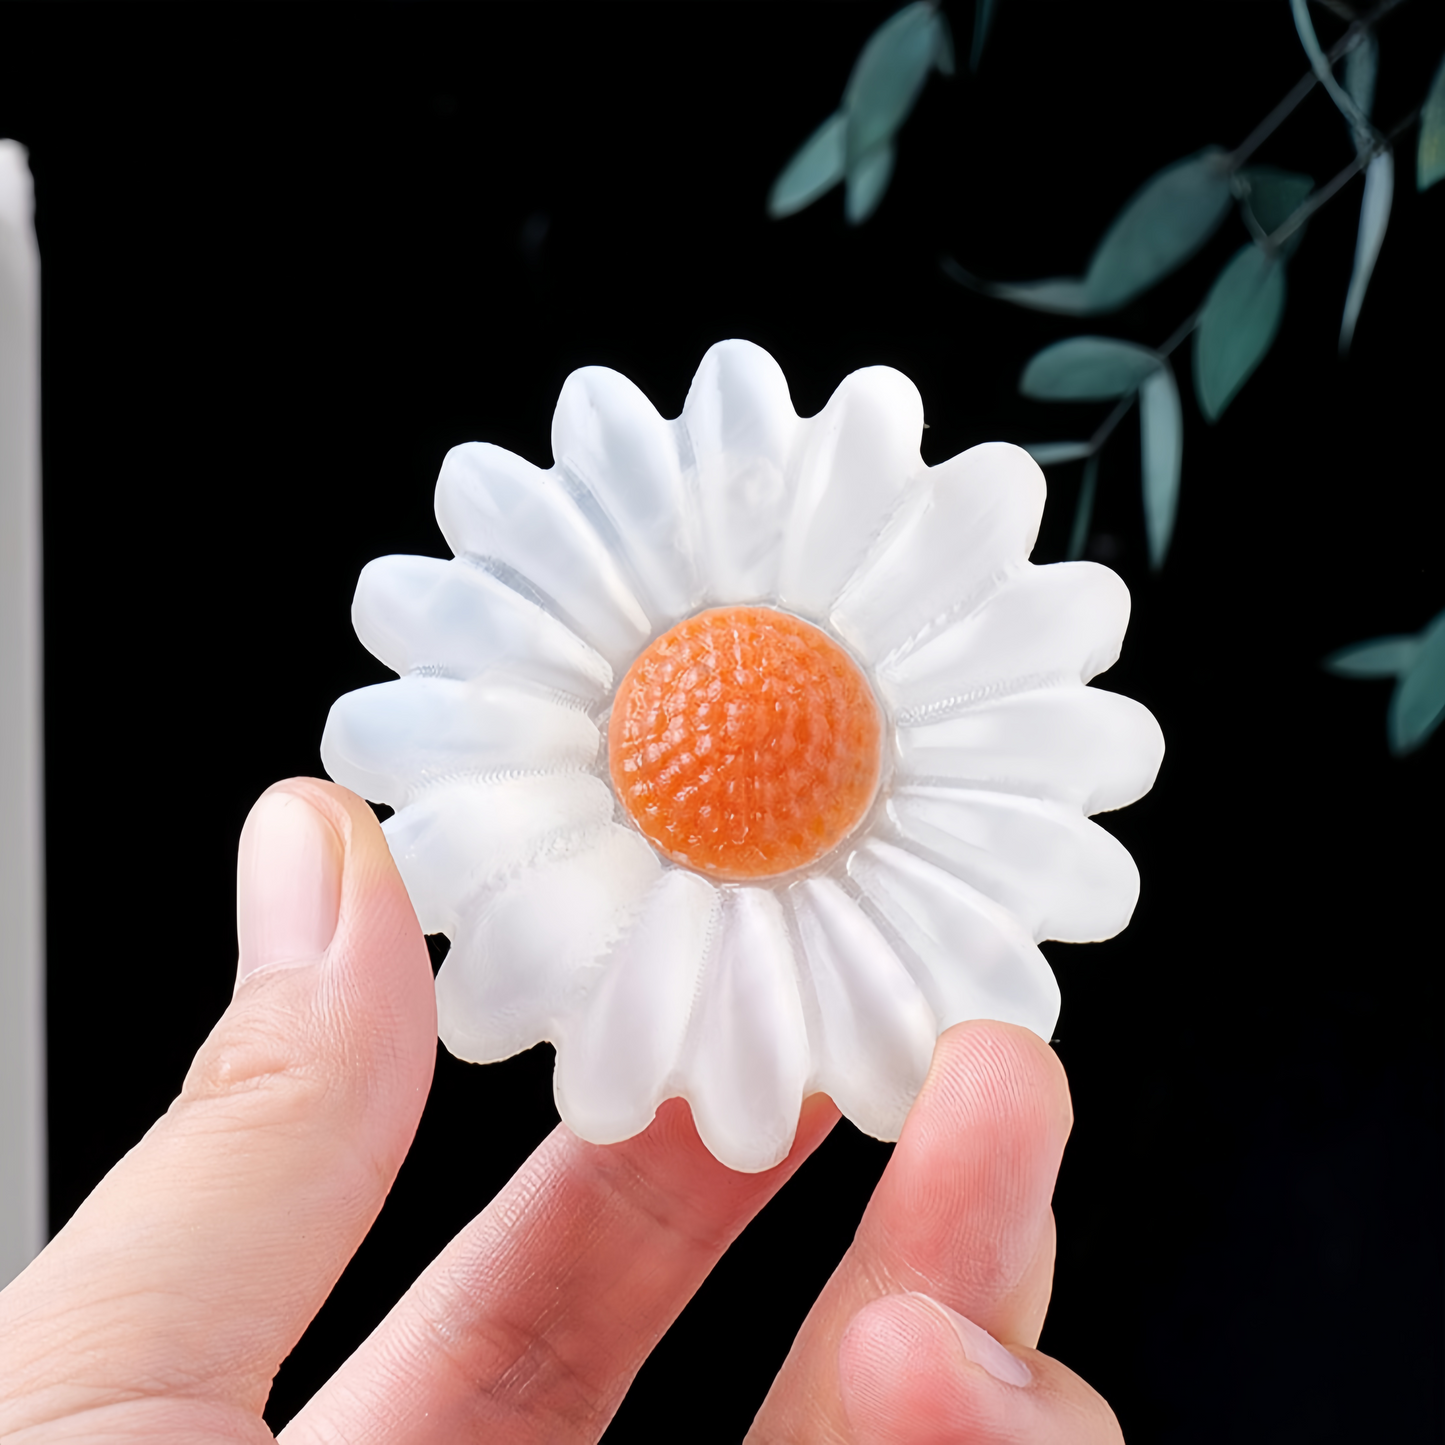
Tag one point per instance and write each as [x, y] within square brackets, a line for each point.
[744, 743]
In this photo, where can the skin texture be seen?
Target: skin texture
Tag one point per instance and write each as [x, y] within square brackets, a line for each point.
[163, 1309]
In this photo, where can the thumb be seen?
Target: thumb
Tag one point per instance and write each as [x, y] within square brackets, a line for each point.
[194, 1267]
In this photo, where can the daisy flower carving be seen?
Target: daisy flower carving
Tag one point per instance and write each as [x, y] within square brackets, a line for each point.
[740, 755]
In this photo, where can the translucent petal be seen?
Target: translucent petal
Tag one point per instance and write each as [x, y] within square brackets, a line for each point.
[458, 839]
[1045, 625]
[514, 968]
[1061, 875]
[517, 518]
[617, 1053]
[740, 428]
[857, 457]
[979, 961]
[389, 741]
[949, 546]
[1080, 745]
[621, 458]
[875, 1029]
[747, 1058]
[420, 614]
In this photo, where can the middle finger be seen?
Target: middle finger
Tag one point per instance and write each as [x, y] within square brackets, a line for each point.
[531, 1324]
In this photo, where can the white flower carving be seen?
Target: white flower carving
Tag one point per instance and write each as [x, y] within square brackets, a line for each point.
[654, 978]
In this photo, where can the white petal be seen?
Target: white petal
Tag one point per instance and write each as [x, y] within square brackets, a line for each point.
[514, 967]
[620, 456]
[876, 1031]
[516, 518]
[1080, 745]
[1045, 625]
[949, 547]
[740, 428]
[388, 741]
[980, 962]
[857, 457]
[748, 1049]
[451, 619]
[1061, 875]
[616, 1054]
[455, 840]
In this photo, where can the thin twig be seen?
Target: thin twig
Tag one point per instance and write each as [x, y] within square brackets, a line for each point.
[1181, 332]
[1121, 407]
[1306, 83]
[1326, 192]
[1272, 121]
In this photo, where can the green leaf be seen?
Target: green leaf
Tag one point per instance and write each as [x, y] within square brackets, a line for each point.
[1237, 326]
[1161, 449]
[983, 11]
[1379, 657]
[1273, 196]
[889, 73]
[1064, 295]
[1088, 368]
[1374, 218]
[1418, 704]
[943, 61]
[868, 178]
[1050, 454]
[1084, 509]
[815, 169]
[1362, 65]
[1358, 121]
[1430, 158]
[1165, 222]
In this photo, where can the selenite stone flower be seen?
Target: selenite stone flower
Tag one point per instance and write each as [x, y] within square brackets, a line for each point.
[739, 755]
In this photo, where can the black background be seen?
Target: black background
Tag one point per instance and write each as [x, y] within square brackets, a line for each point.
[293, 254]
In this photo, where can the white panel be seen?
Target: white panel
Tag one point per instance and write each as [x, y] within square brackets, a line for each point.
[22, 996]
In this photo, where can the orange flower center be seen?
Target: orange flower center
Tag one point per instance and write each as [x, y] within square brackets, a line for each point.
[745, 743]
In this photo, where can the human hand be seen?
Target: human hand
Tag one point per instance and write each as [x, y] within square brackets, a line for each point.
[163, 1309]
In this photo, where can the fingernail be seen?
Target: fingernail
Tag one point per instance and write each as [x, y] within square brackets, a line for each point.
[981, 1348]
[288, 884]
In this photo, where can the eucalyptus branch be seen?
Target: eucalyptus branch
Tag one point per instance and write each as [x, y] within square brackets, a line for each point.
[1336, 183]
[1105, 429]
[1346, 104]
[1306, 83]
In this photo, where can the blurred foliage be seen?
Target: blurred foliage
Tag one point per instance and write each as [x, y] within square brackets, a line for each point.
[1417, 663]
[1163, 226]
[1168, 219]
[1237, 323]
[855, 144]
[983, 11]
[1430, 160]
